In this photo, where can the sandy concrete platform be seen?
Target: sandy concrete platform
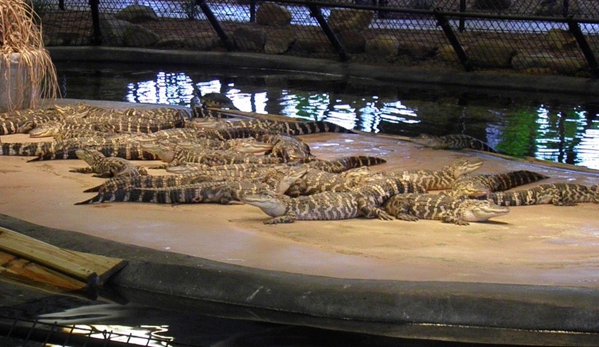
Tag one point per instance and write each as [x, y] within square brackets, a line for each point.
[541, 247]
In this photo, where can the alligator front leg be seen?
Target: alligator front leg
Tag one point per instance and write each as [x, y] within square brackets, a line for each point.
[448, 218]
[85, 170]
[406, 217]
[287, 218]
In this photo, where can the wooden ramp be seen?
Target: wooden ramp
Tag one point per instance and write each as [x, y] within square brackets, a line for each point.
[25, 259]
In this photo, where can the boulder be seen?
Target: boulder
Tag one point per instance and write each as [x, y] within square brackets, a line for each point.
[491, 54]
[447, 53]
[280, 41]
[67, 39]
[138, 36]
[314, 42]
[416, 50]
[569, 66]
[113, 31]
[272, 15]
[353, 41]
[137, 14]
[385, 44]
[349, 20]
[561, 39]
[203, 41]
[250, 39]
[522, 61]
[171, 41]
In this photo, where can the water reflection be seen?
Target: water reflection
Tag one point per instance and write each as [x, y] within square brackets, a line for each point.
[550, 130]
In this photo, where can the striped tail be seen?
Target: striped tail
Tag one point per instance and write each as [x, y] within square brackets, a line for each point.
[513, 179]
[304, 128]
[131, 195]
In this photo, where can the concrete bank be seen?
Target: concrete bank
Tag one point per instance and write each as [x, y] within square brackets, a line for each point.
[562, 85]
[471, 312]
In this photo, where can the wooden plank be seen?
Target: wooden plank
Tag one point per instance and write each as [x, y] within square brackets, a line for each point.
[27, 272]
[91, 268]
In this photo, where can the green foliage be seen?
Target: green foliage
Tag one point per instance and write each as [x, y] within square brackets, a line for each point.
[519, 134]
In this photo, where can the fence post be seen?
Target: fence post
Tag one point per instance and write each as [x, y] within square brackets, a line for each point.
[315, 12]
[462, 25]
[453, 40]
[215, 24]
[584, 46]
[96, 34]
[252, 11]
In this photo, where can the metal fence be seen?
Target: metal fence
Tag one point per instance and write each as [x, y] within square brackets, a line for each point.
[515, 36]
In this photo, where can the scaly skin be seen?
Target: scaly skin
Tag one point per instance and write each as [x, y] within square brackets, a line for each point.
[227, 192]
[479, 185]
[436, 180]
[558, 194]
[318, 181]
[460, 211]
[344, 163]
[104, 166]
[453, 141]
[363, 201]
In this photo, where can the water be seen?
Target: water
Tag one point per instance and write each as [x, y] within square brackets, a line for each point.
[539, 126]
[156, 327]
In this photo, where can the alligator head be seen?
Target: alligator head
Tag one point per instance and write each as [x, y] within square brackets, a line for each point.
[270, 203]
[462, 167]
[481, 210]
[47, 129]
[165, 153]
[88, 155]
[429, 141]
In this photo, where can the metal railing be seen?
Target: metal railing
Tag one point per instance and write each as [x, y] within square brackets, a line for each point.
[534, 37]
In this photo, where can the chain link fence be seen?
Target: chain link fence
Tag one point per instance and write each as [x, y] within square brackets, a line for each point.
[514, 36]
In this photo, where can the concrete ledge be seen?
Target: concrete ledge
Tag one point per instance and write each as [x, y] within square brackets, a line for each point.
[563, 85]
[442, 310]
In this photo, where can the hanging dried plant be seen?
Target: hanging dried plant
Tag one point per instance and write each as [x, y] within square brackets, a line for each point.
[28, 72]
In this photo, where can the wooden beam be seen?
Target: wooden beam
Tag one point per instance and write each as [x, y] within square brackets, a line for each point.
[91, 268]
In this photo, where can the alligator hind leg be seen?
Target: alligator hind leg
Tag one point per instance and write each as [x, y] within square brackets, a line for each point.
[369, 211]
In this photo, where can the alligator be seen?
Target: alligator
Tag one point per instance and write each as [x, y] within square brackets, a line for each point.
[459, 210]
[56, 128]
[453, 141]
[558, 194]
[344, 163]
[317, 181]
[218, 100]
[363, 201]
[22, 121]
[205, 192]
[235, 172]
[290, 127]
[117, 147]
[475, 186]
[30, 148]
[435, 179]
[244, 145]
[212, 157]
[143, 181]
[204, 169]
[105, 166]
